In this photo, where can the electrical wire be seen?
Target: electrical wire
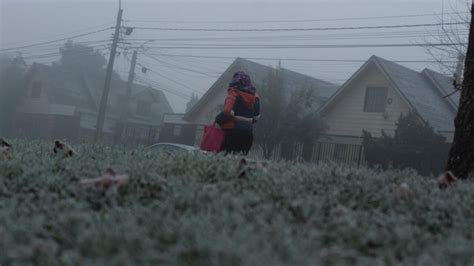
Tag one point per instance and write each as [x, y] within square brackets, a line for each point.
[299, 20]
[57, 49]
[298, 59]
[159, 87]
[303, 46]
[54, 41]
[166, 77]
[61, 34]
[170, 79]
[180, 67]
[307, 37]
[302, 29]
[176, 82]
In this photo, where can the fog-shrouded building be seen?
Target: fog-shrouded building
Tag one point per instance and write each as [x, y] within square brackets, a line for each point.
[58, 103]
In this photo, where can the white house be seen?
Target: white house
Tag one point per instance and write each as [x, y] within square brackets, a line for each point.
[375, 96]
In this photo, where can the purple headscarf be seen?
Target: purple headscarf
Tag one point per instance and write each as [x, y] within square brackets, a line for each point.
[241, 81]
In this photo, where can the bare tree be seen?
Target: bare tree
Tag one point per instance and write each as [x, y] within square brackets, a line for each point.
[288, 118]
[194, 99]
[453, 31]
[461, 155]
[268, 130]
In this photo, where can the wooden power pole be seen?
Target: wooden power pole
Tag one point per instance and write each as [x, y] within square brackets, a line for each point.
[131, 77]
[461, 155]
[108, 78]
[126, 109]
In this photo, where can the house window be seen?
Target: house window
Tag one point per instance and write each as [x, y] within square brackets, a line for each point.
[36, 89]
[375, 99]
[143, 108]
[177, 130]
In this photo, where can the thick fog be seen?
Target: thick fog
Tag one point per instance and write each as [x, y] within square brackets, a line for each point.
[24, 22]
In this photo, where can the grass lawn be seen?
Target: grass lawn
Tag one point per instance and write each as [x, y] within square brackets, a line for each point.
[199, 210]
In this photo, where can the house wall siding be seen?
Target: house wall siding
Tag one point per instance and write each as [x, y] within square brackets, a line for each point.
[347, 117]
[28, 104]
[187, 134]
[214, 105]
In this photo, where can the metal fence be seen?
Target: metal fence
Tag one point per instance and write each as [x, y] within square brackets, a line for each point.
[135, 134]
[346, 154]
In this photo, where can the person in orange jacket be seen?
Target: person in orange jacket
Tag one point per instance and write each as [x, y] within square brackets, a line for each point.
[241, 112]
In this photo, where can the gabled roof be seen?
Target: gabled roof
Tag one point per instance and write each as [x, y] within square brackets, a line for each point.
[62, 86]
[446, 86]
[417, 89]
[157, 95]
[259, 75]
[84, 90]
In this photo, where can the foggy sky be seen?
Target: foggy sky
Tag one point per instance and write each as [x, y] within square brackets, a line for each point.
[25, 21]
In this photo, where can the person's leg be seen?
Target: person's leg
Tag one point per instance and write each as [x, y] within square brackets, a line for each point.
[242, 141]
[247, 141]
[230, 140]
[225, 144]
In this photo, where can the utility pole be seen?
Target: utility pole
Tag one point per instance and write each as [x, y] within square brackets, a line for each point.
[126, 109]
[131, 77]
[108, 77]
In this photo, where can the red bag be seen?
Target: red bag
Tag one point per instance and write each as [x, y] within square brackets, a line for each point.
[212, 139]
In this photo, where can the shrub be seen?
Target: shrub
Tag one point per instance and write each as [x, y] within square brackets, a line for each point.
[196, 210]
[414, 145]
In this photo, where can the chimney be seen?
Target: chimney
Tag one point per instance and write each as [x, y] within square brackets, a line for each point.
[458, 74]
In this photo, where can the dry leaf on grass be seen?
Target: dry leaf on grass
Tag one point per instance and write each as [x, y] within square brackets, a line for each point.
[298, 214]
[246, 167]
[63, 149]
[5, 150]
[340, 210]
[110, 179]
[403, 191]
[446, 179]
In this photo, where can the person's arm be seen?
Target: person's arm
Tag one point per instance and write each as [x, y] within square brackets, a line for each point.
[256, 115]
[229, 102]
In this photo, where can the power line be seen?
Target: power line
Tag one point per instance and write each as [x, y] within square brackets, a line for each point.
[298, 20]
[56, 54]
[299, 59]
[171, 70]
[306, 46]
[207, 66]
[45, 54]
[159, 87]
[179, 67]
[172, 80]
[56, 49]
[306, 37]
[54, 41]
[302, 29]
[168, 78]
[53, 60]
[62, 34]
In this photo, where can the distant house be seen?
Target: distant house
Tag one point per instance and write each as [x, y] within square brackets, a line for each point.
[373, 99]
[67, 103]
[188, 128]
[176, 130]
